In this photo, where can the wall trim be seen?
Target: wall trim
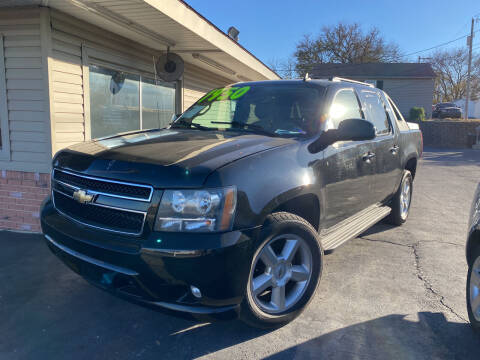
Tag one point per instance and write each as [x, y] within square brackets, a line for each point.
[46, 45]
[86, 94]
[179, 96]
[4, 126]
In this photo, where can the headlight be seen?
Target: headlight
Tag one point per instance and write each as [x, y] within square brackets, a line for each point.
[197, 210]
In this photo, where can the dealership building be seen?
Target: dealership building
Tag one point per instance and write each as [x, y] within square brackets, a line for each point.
[76, 70]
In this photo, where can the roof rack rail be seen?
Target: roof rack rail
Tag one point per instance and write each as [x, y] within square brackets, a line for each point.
[336, 78]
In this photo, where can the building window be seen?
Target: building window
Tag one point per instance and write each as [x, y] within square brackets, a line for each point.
[158, 103]
[122, 101]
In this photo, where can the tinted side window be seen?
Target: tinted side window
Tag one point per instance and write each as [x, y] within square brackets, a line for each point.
[395, 110]
[345, 106]
[377, 112]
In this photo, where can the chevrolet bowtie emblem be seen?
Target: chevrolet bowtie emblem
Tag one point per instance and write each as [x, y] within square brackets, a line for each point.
[82, 196]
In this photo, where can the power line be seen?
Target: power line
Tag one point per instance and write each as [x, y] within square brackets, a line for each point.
[413, 53]
[437, 46]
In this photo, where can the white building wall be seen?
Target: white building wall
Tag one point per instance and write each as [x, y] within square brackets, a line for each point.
[473, 108]
[407, 93]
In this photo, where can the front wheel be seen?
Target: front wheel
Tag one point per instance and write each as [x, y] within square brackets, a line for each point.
[402, 200]
[284, 274]
[473, 290]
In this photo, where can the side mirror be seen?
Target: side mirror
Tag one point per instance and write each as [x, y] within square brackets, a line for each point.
[356, 130]
[350, 129]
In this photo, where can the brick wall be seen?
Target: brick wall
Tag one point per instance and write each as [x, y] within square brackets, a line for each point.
[21, 194]
[449, 134]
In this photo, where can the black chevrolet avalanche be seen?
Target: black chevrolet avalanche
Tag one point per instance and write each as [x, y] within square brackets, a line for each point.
[230, 209]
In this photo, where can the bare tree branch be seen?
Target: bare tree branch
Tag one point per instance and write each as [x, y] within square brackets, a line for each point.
[451, 69]
[285, 68]
[344, 43]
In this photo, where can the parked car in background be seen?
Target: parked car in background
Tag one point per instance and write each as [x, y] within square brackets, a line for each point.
[446, 110]
[473, 260]
[231, 208]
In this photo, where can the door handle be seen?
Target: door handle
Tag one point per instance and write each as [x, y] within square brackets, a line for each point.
[368, 156]
[394, 149]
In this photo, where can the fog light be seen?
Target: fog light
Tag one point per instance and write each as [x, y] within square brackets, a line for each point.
[195, 291]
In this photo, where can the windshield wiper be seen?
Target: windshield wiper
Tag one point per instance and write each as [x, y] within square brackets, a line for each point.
[237, 125]
[190, 124]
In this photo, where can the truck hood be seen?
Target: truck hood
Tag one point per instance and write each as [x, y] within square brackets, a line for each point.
[165, 158]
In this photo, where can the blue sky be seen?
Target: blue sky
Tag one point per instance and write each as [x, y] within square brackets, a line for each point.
[270, 29]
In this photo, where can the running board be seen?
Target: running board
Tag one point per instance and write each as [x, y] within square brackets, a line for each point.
[353, 226]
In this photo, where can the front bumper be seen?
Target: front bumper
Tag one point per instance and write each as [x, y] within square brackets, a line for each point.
[156, 269]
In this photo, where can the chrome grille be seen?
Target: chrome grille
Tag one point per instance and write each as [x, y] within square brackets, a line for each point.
[100, 216]
[97, 213]
[106, 187]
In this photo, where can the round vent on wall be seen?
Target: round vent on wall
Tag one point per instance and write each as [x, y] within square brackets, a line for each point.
[169, 67]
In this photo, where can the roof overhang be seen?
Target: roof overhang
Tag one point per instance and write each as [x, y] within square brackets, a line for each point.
[173, 24]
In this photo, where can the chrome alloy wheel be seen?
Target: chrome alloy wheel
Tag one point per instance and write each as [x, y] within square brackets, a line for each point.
[405, 197]
[281, 272]
[475, 289]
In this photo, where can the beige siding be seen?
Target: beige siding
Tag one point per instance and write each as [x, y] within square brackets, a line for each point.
[196, 82]
[67, 88]
[26, 94]
[69, 79]
[69, 84]
[407, 93]
[47, 56]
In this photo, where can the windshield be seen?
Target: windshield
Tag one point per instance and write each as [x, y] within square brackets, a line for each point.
[271, 109]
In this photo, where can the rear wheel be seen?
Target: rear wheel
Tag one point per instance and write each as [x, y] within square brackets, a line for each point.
[402, 200]
[285, 272]
[473, 290]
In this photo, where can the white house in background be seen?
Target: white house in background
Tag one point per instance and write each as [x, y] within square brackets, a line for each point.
[473, 108]
[75, 70]
[408, 84]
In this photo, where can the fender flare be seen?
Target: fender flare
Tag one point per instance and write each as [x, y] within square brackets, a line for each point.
[291, 195]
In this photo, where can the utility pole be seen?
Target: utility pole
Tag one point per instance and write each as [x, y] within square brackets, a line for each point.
[469, 42]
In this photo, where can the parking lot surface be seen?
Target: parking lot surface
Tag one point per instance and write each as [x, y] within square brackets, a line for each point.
[392, 293]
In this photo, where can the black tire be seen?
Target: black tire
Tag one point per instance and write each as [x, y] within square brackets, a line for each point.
[473, 322]
[277, 224]
[397, 217]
